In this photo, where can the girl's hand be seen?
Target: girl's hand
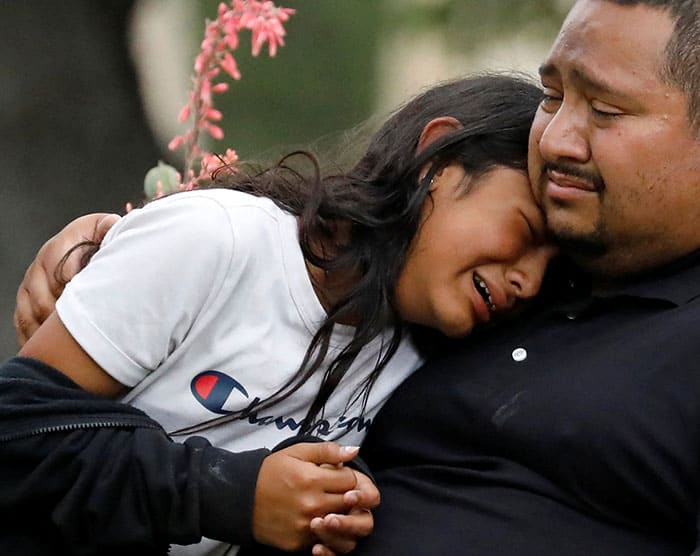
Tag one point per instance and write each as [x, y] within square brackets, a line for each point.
[39, 290]
[296, 485]
[338, 533]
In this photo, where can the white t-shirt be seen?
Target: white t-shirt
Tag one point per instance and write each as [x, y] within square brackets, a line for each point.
[201, 302]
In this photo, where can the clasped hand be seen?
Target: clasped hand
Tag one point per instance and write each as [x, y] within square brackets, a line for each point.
[305, 497]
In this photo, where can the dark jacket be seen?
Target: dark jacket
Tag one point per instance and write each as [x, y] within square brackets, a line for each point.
[81, 474]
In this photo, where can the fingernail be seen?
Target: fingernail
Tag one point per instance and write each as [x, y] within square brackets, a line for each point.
[350, 449]
[352, 497]
[316, 522]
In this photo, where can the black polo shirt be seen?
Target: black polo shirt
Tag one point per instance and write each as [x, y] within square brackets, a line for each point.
[574, 431]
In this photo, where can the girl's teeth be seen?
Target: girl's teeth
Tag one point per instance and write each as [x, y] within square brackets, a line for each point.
[492, 307]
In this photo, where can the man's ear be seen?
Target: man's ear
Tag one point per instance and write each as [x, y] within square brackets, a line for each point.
[435, 129]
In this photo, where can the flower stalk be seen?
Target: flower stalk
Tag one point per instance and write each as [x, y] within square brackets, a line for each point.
[215, 60]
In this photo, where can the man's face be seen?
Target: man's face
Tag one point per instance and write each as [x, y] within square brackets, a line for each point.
[612, 159]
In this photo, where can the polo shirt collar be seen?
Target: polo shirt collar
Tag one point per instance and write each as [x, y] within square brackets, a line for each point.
[677, 283]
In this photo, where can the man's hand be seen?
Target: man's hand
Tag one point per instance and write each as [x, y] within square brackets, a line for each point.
[297, 484]
[338, 533]
[39, 290]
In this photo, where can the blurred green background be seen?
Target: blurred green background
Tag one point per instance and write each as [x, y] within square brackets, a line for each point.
[91, 91]
[347, 60]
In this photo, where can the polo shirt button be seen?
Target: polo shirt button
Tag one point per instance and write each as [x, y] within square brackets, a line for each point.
[519, 354]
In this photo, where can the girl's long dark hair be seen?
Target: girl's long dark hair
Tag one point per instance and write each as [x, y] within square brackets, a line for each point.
[381, 200]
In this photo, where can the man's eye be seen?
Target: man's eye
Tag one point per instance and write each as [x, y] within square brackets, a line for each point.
[550, 101]
[608, 113]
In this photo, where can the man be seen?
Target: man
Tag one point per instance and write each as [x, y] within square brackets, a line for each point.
[576, 429]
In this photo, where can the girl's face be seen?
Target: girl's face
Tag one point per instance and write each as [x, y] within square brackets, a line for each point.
[479, 249]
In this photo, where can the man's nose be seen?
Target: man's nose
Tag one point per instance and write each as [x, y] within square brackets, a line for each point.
[565, 135]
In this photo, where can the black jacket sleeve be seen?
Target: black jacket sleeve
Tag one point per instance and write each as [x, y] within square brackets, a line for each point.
[81, 474]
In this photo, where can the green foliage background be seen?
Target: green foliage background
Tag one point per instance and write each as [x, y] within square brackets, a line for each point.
[325, 79]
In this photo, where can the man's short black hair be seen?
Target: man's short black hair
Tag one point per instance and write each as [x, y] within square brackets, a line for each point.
[682, 64]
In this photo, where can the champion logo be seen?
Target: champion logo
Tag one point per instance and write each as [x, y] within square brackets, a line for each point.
[222, 394]
[213, 389]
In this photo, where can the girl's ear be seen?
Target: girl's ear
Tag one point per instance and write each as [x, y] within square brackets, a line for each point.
[435, 129]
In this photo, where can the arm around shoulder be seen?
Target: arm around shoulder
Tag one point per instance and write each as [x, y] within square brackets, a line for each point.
[45, 278]
[116, 321]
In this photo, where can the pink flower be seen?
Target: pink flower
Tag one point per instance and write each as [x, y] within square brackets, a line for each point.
[221, 38]
[230, 156]
[176, 143]
[210, 163]
[214, 115]
[184, 114]
[228, 64]
[205, 90]
[214, 130]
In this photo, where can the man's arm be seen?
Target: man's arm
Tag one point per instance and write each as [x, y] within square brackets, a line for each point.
[41, 286]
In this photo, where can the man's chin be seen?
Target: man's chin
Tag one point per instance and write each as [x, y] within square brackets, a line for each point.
[581, 247]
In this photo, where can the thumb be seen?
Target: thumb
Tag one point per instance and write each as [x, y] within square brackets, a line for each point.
[103, 225]
[323, 452]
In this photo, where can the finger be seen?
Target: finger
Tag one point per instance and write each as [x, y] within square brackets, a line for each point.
[60, 271]
[328, 503]
[24, 323]
[103, 226]
[334, 543]
[323, 452]
[361, 500]
[365, 495]
[336, 481]
[43, 289]
[357, 523]
[91, 227]
[310, 475]
[33, 304]
[339, 533]
[333, 466]
[41, 286]
[320, 550]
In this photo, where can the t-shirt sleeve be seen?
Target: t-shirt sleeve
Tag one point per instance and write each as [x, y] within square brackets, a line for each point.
[156, 271]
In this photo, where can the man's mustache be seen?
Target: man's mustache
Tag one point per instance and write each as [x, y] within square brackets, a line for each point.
[573, 171]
